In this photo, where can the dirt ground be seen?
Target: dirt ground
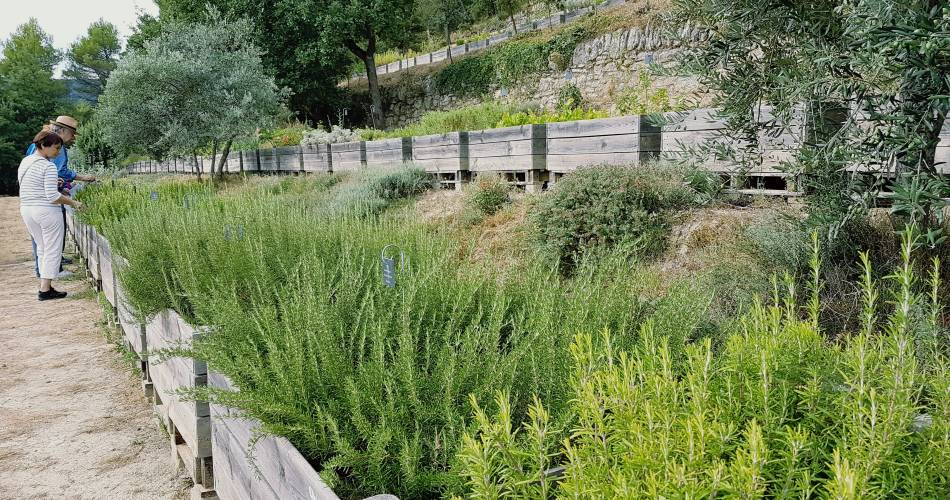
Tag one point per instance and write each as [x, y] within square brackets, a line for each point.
[73, 420]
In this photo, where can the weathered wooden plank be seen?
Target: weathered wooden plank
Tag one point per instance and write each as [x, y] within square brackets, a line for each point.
[277, 465]
[316, 158]
[288, 158]
[606, 144]
[92, 257]
[348, 156]
[568, 163]
[105, 270]
[167, 330]
[594, 128]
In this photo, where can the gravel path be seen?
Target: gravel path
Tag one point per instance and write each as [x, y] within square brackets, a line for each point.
[73, 420]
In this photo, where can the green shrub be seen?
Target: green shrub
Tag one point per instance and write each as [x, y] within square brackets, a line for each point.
[370, 383]
[605, 206]
[541, 117]
[778, 411]
[643, 99]
[781, 242]
[477, 117]
[472, 76]
[487, 194]
[569, 97]
[373, 191]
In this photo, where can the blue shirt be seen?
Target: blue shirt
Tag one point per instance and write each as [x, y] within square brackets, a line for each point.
[61, 162]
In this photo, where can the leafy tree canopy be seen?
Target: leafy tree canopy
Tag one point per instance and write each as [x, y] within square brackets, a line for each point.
[93, 57]
[193, 86]
[870, 74]
[29, 95]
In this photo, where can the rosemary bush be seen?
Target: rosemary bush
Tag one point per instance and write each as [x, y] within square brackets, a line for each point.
[779, 412]
[372, 383]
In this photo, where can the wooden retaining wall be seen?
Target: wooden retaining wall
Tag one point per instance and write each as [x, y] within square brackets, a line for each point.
[348, 156]
[316, 158]
[444, 155]
[388, 152]
[276, 469]
[188, 422]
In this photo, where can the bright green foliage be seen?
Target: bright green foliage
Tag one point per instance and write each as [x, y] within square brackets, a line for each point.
[643, 99]
[29, 96]
[93, 57]
[603, 206]
[487, 194]
[541, 117]
[478, 117]
[779, 411]
[370, 383]
[509, 63]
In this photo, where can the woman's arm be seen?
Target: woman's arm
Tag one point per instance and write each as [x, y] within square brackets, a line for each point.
[51, 188]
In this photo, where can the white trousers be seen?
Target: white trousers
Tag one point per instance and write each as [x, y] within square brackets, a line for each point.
[46, 227]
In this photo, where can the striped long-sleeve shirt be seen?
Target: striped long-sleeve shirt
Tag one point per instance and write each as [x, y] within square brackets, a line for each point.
[37, 177]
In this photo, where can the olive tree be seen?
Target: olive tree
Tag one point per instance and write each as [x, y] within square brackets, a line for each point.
[871, 75]
[195, 86]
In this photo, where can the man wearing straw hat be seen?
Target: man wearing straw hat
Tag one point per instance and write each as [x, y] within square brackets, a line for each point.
[65, 127]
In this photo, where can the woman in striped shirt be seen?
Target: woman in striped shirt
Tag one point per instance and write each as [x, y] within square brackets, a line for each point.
[40, 202]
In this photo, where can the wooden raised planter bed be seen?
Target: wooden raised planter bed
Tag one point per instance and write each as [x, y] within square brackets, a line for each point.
[277, 470]
[288, 159]
[250, 161]
[188, 422]
[617, 141]
[389, 152]
[268, 160]
[445, 155]
[518, 153]
[316, 158]
[348, 156]
[106, 272]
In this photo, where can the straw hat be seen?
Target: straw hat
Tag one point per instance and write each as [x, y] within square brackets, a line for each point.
[66, 121]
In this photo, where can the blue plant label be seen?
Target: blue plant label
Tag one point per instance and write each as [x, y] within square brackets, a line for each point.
[389, 272]
[227, 232]
[154, 195]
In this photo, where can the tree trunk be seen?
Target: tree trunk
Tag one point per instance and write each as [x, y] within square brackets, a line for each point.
[194, 155]
[368, 56]
[225, 151]
[214, 152]
[448, 32]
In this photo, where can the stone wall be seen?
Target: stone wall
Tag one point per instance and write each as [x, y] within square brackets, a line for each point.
[601, 68]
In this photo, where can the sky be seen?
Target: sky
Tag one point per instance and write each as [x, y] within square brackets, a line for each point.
[67, 21]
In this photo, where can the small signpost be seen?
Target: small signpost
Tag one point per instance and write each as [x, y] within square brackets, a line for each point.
[236, 232]
[389, 265]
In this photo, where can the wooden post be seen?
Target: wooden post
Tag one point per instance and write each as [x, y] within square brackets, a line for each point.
[363, 154]
[406, 149]
[650, 140]
[258, 153]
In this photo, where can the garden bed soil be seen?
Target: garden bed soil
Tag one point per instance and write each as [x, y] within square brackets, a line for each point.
[73, 422]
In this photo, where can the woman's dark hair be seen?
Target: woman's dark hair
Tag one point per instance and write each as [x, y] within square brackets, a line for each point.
[47, 139]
